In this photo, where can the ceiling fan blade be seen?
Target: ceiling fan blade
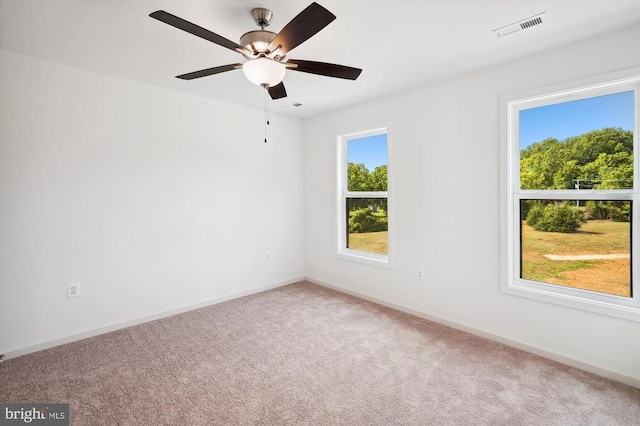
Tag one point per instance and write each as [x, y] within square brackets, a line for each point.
[209, 71]
[277, 91]
[322, 68]
[194, 29]
[301, 28]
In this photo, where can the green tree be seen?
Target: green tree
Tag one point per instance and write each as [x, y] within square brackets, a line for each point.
[600, 159]
[553, 164]
[358, 177]
[539, 163]
[378, 182]
[378, 179]
[564, 177]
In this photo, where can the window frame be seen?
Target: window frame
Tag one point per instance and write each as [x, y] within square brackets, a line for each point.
[511, 195]
[343, 193]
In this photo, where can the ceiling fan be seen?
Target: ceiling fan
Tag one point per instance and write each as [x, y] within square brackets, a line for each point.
[266, 51]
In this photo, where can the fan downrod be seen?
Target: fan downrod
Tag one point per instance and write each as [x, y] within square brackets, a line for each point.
[257, 41]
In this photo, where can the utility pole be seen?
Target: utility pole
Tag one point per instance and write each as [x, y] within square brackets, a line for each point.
[577, 185]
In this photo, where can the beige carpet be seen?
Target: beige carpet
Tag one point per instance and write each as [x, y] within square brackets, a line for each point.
[303, 354]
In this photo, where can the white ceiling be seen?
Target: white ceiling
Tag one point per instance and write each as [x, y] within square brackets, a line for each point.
[398, 43]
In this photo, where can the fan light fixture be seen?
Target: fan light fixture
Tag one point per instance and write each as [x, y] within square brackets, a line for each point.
[265, 51]
[264, 72]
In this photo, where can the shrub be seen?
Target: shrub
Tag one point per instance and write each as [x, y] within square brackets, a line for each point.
[525, 205]
[363, 220]
[618, 211]
[534, 214]
[555, 217]
[596, 210]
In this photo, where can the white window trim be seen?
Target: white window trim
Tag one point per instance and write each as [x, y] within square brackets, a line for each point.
[373, 259]
[510, 194]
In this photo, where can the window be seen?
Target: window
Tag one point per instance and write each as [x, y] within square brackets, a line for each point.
[572, 196]
[363, 205]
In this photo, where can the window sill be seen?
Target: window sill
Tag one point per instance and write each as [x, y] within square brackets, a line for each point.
[380, 261]
[575, 298]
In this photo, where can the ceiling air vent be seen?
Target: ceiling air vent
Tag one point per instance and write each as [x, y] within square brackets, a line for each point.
[520, 25]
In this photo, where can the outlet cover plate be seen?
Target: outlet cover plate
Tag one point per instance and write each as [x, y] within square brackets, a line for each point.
[73, 290]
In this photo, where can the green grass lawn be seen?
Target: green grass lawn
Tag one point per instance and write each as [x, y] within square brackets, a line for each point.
[594, 237]
[371, 242]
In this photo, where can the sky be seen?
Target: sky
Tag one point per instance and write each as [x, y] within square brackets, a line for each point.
[575, 118]
[370, 150]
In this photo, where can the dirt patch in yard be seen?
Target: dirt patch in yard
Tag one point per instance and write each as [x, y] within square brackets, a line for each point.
[611, 276]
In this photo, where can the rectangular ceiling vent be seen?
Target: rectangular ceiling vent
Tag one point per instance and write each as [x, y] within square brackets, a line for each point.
[520, 25]
[293, 105]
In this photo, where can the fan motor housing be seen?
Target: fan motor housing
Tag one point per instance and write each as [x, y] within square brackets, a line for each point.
[257, 40]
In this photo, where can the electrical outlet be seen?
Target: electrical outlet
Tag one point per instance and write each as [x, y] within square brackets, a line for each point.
[73, 290]
[267, 256]
[420, 274]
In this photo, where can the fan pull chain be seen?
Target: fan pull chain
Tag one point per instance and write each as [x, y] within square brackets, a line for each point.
[266, 114]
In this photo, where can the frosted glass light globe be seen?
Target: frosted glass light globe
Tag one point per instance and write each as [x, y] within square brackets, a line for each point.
[264, 71]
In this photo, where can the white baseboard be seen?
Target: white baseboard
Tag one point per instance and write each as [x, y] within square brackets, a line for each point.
[16, 352]
[590, 368]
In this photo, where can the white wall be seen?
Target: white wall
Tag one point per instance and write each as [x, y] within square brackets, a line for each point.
[152, 199]
[156, 200]
[444, 138]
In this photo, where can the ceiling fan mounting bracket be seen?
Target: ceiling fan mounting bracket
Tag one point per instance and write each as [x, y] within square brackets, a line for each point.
[262, 17]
